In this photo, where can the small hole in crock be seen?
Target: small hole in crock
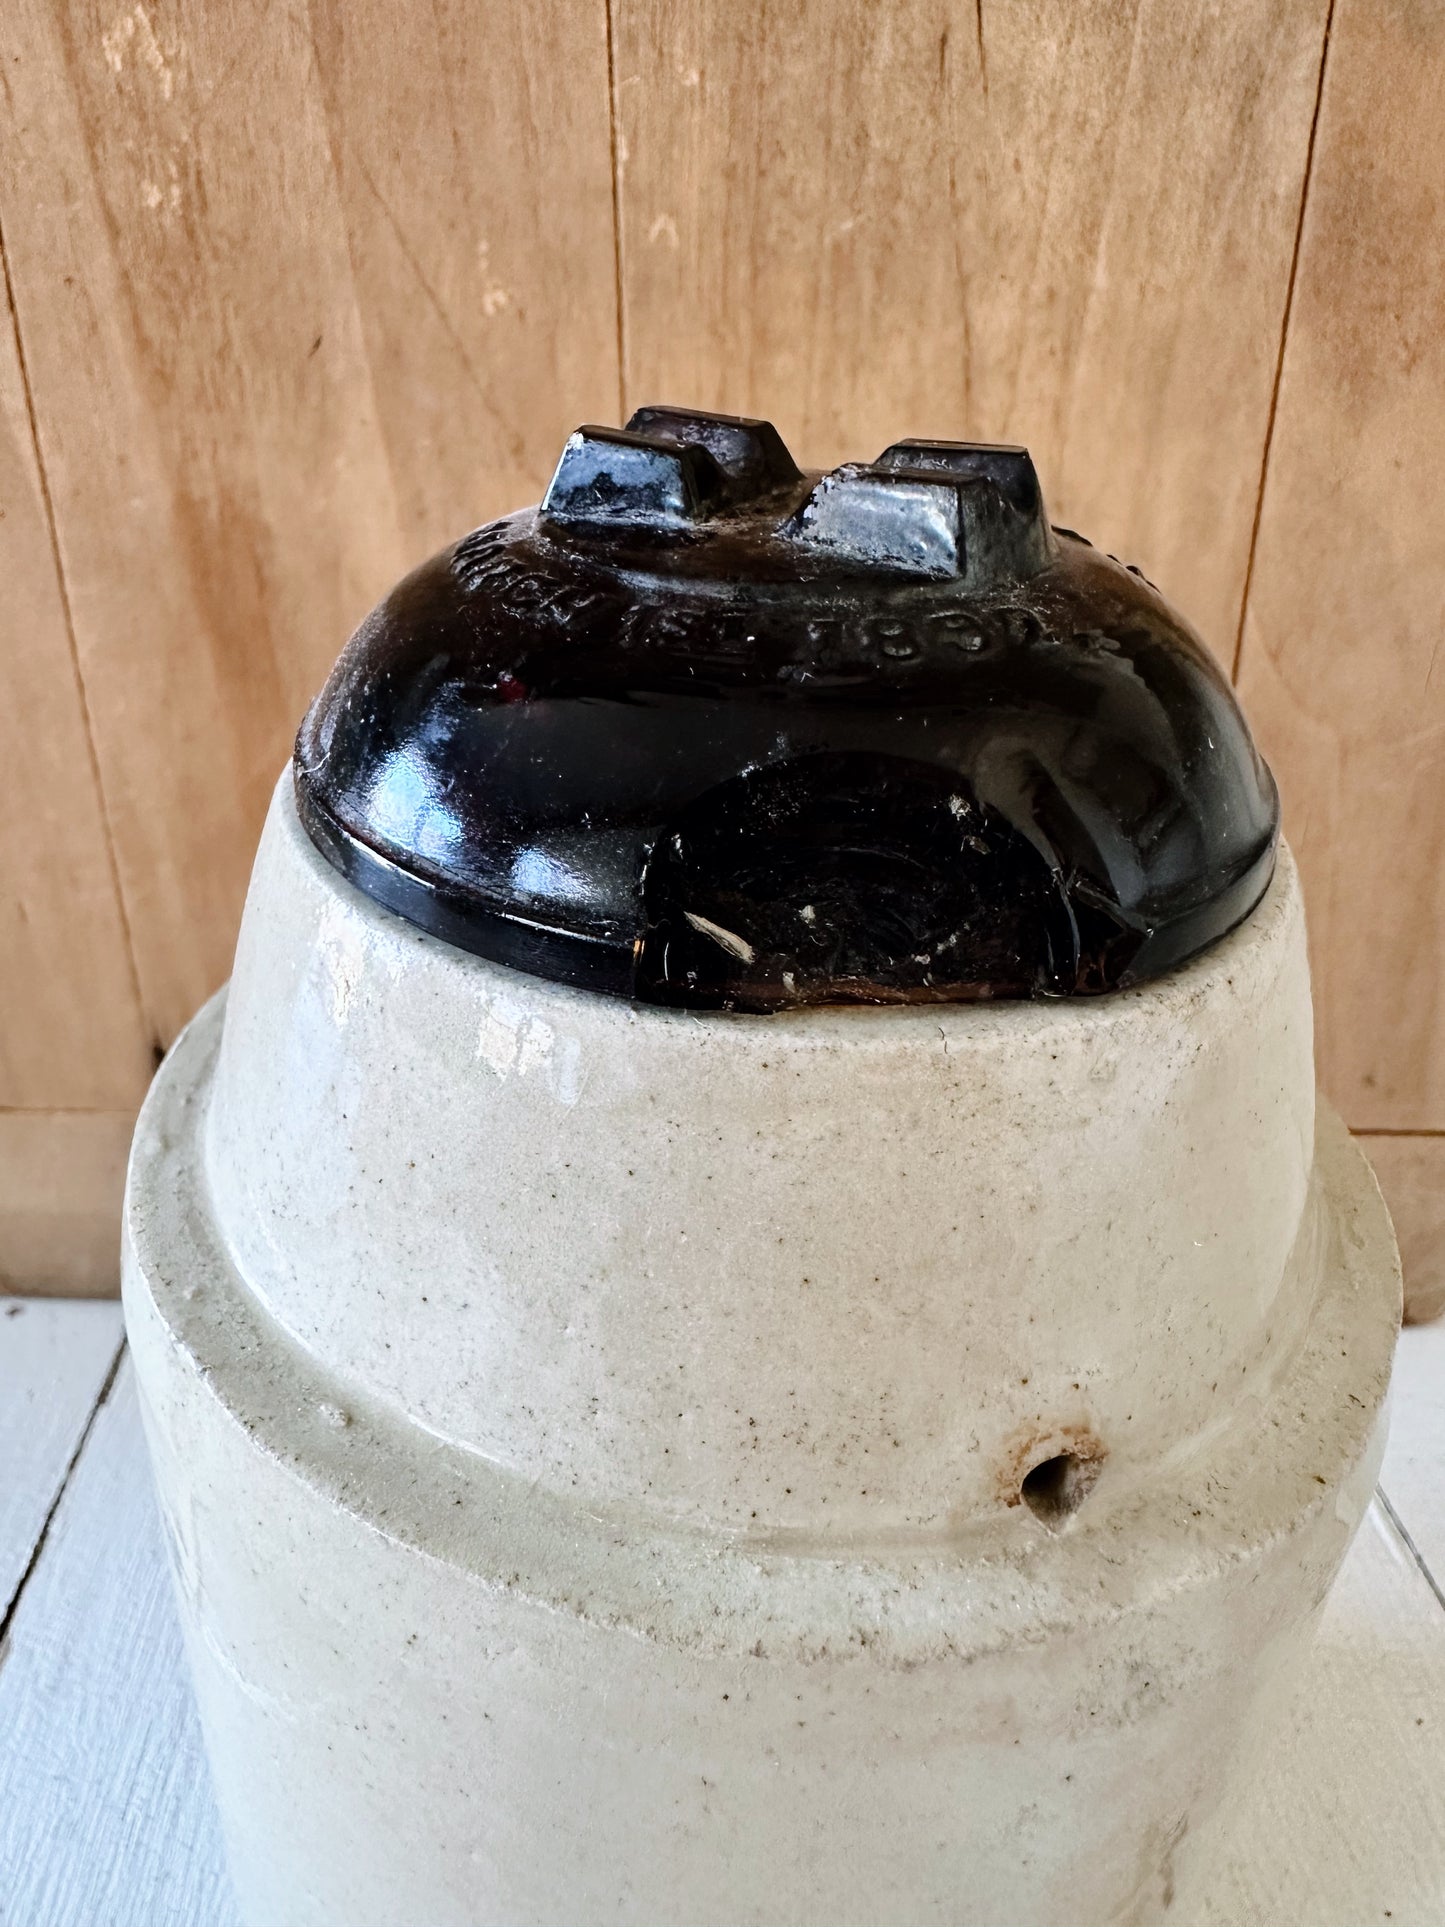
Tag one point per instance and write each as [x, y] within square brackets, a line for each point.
[1054, 1489]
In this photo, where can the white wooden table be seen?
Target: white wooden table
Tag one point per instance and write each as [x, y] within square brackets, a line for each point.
[106, 1817]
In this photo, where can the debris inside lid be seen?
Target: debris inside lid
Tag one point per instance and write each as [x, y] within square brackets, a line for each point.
[703, 729]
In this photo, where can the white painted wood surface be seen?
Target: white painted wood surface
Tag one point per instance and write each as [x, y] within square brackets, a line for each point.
[105, 1808]
[1344, 1819]
[106, 1818]
[1414, 1474]
[54, 1360]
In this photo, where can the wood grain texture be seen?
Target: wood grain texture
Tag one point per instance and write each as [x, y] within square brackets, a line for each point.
[62, 1176]
[301, 292]
[219, 273]
[1411, 1171]
[1068, 226]
[103, 1785]
[71, 1030]
[1343, 665]
[54, 1362]
[473, 161]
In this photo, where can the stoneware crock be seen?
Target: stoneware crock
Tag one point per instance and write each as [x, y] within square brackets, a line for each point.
[746, 1311]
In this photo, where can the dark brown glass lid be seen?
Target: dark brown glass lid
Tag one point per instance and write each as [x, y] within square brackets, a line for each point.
[704, 730]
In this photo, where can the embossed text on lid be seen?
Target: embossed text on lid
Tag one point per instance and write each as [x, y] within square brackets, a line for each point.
[704, 729]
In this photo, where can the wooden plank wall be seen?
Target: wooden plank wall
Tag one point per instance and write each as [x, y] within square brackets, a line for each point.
[1341, 664]
[295, 294]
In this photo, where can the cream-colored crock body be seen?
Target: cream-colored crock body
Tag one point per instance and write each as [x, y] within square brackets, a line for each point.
[591, 1436]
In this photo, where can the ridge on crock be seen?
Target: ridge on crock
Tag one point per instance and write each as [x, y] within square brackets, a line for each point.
[704, 730]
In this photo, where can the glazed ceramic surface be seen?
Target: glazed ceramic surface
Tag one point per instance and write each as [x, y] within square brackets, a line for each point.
[704, 731]
[634, 1464]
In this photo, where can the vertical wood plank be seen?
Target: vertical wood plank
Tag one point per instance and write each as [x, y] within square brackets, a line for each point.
[1343, 662]
[219, 493]
[482, 242]
[1411, 1171]
[62, 1177]
[1038, 222]
[216, 302]
[70, 1028]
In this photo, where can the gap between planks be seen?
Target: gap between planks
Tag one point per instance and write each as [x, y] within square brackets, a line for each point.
[1299, 231]
[82, 694]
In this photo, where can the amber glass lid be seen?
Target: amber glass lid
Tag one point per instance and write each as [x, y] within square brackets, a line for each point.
[705, 730]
